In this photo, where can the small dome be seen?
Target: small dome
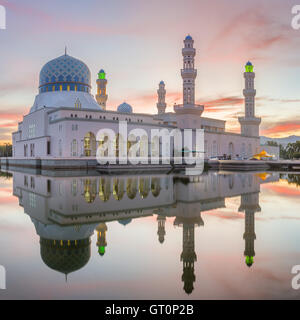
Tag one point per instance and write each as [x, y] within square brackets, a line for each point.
[101, 251]
[188, 37]
[249, 261]
[125, 108]
[161, 82]
[101, 71]
[249, 67]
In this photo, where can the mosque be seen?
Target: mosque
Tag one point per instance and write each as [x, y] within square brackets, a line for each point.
[65, 117]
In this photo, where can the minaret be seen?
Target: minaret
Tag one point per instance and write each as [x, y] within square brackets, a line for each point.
[101, 238]
[161, 105]
[250, 205]
[101, 96]
[189, 109]
[188, 73]
[161, 228]
[249, 123]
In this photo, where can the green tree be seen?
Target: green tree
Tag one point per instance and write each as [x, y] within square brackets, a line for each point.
[283, 152]
[6, 150]
[272, 143]
[292, 150]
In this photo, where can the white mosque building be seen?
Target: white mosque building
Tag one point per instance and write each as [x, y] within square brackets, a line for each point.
[65, 117]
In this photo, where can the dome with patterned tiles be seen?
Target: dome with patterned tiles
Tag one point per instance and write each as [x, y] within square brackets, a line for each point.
[65, 256]
[65, 73]
[125, 108]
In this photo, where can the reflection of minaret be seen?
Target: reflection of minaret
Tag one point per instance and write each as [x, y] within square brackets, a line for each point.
[101, 238]
[161, 228]
[188, 255]
[249, 205]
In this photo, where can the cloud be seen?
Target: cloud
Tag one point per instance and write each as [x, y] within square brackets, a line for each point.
[286, 126]
[227, 215]
[226, 103]
[250, 34]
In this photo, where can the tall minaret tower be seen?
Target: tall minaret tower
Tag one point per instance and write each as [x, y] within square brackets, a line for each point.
[189, 73]
[249, 205]
[249, 123]
[188, 110]
[101, 96]
[161, 105]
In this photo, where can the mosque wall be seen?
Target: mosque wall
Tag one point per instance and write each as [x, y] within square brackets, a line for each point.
[230, 144]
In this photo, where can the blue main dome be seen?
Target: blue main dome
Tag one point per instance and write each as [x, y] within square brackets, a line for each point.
[125, 108]
[65, 73]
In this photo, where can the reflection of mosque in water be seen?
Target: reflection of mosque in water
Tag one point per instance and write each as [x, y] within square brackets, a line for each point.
[66, 211]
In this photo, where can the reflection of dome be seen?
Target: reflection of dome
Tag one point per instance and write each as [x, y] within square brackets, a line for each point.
[125, 108]
[249, 63]
[65, 257]
[65, 73]
[188, 37]
[249, 261]
[125, 222]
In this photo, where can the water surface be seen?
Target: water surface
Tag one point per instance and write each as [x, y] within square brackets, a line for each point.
[86, 236]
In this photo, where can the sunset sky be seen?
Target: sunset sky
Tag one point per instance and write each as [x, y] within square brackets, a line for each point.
[138, 43]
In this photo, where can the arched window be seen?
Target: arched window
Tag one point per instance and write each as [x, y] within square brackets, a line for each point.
[74, 148]
[244, 150]
[250, 150]
[77, 104]
[215, 149]
[60, 148]
[231, 149]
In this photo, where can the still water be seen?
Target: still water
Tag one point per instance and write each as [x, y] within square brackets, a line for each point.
[82, 235]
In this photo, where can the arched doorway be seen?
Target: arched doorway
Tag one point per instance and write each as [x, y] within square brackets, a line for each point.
[90, 190]
[131, 188]
[144, 187]
[89, 145]
[118, 189]
[155, 187]
[104, 189]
